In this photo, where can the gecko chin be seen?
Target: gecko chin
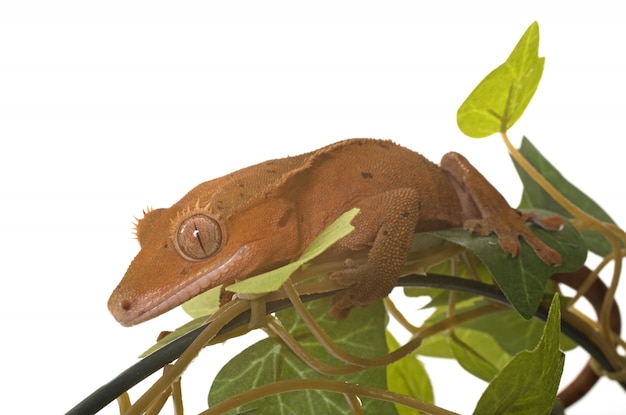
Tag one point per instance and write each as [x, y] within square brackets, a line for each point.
[130, 307]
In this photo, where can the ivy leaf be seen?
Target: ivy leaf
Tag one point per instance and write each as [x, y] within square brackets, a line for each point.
[362, 333]
[408, 376]
[483, 346]
[501, 98]
[475, 361]
[535, 197]
[273, 280]
[478, 351]
[523, 279]
[528, 384]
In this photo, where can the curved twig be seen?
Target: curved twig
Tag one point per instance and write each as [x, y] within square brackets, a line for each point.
[144, 368]
[595, 294]
[326, 385]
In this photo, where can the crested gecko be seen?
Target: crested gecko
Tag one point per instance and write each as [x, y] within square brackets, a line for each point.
[264, 216]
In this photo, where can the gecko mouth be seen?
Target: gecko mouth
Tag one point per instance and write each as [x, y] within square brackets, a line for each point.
[127, 314]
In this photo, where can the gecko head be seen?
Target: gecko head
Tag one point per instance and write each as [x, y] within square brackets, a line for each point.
[179, 258]
[135, 300]
[193, 252]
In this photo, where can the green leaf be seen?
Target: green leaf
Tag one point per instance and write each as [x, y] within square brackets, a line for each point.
[334, 232]
[476, 361]
[362, 333]
[501, 98]
[273, 280]
[535, 197]
[528, 384]
[408, 377]
[523, 279]
[484, 345]
[512, 332]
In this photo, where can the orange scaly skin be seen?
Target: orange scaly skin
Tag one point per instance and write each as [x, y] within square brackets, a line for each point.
[264, 216]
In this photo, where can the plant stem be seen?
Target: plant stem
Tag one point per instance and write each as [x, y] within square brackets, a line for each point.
[221, 317]
[325, 385]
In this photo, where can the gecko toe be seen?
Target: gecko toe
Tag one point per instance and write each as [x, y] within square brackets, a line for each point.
[542, 250]
[342, 303]
[550, 223]
[477, 227]
[509, 245]
[548, 255]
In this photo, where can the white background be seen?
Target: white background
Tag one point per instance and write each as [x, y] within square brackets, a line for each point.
[107, 107]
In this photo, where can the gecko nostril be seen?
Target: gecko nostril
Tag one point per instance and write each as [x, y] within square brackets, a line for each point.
[126, 305]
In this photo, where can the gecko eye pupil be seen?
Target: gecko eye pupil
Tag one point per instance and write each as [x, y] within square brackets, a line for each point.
[198, 237]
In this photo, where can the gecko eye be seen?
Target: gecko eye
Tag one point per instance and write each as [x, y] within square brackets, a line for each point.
[198, 237]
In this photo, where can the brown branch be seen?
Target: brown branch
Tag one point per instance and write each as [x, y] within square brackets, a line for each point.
[587, 378]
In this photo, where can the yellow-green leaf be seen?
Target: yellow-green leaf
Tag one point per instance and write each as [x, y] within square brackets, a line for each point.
[501, 98]
[273, 280]
[203, 304]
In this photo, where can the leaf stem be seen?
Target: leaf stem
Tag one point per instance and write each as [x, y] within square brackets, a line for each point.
[123, 402]
[354, 404]
[317, 331]
[449, 322]
[398, 316]
[324, 385]
[219, 319]
[273, 325]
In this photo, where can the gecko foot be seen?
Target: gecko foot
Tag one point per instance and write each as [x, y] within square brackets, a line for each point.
[551, 223]
[509, 226]
[365, 285]
[342, 303]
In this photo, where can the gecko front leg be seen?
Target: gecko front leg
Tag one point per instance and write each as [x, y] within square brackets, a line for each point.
[488, 212]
